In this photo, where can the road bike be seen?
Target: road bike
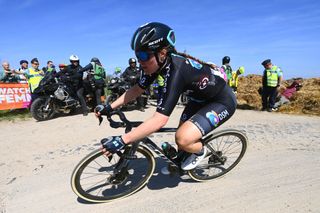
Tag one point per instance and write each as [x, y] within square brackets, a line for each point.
[98, 178]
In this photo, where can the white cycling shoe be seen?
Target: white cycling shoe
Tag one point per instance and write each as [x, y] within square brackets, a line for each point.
[193, 160]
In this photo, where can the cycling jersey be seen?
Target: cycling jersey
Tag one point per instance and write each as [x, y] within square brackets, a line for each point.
[181, 74]
[204, 87]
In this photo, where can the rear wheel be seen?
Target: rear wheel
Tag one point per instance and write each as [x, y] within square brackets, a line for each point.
[40, 110]
[94, 178]
[225, 150]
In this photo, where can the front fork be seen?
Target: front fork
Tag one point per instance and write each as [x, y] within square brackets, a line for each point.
[47, 104]
[121, 168]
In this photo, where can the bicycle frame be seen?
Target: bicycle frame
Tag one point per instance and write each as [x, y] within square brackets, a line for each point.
[129, 153]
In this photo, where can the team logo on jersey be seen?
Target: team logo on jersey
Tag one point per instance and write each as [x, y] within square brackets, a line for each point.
[142, 80]
[213, 118]
[203, 83]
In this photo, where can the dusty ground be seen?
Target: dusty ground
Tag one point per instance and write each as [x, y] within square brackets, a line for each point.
[279, 173]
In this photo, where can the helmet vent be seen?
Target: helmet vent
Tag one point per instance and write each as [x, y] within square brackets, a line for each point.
[147, 37]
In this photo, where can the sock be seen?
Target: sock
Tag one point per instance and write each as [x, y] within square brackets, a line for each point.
[200, 153]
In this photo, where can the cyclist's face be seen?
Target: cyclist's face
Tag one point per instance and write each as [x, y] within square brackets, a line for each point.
[150, 66]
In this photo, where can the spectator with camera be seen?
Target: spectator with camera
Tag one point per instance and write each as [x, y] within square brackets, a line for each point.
[22, 71]
[9, 75]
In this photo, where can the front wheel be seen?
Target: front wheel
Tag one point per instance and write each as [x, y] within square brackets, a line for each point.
[41, 110]
[94, 179]
[225, 150]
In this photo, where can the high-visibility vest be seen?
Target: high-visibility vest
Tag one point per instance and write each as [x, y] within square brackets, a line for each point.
[234, 80]
[50, 69]
[272, 76]
[34, 79]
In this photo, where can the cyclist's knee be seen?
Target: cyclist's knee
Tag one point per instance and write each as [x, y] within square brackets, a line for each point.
[181, 140]
[187, 134]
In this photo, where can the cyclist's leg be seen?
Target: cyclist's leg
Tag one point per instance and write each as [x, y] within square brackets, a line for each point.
[204, 121]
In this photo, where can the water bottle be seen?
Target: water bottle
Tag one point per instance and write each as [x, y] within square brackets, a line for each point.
[169, 150]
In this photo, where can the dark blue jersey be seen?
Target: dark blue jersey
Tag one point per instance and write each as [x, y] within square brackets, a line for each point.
[181, 74]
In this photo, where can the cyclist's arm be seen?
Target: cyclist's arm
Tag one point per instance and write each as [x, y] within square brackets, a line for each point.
[148, 127]
[128, 96]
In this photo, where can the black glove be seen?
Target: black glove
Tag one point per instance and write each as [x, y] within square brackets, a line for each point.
[113, 144]
[103, 109]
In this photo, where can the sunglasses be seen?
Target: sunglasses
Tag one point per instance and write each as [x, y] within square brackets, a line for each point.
[143, 55]
[36, 63]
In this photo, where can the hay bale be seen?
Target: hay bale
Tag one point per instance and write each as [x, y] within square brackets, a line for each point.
[305, 101]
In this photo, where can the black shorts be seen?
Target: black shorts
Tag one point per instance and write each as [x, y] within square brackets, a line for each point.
[209, 115]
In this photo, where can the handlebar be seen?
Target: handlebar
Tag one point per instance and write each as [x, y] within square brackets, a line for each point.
[124, 122]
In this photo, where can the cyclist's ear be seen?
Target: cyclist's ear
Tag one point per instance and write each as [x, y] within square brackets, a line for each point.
[162, 54]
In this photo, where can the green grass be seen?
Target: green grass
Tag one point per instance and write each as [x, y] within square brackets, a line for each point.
[15, 114]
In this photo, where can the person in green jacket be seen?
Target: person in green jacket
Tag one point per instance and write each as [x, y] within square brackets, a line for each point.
[92, 73]
[227, 68]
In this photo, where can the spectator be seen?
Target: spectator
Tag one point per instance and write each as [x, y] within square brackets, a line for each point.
[217, 70]
[93, 76]
[49, 68]
[9, 75]
[117, 71]
[287, 94]
[34, 76]
[132, 75]
[22, 71]
[70, 76]
[226, 68]
[62, 67]
[233, 83]
[271, 80]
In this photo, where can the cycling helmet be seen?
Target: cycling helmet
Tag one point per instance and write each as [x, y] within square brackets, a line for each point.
[241, 70]
[153, 37]
[74, 58]
[132, 60]
[226, 60]
[95, 60]
[62, 65]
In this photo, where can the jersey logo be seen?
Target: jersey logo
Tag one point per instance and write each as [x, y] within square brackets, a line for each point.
[213, 118]
[142, 80]
[203, 83]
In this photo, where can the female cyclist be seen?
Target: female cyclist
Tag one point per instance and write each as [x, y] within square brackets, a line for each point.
[211, 103]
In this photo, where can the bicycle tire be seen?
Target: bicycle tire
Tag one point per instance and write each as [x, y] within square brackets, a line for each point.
[230, 138]
[80, 173]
